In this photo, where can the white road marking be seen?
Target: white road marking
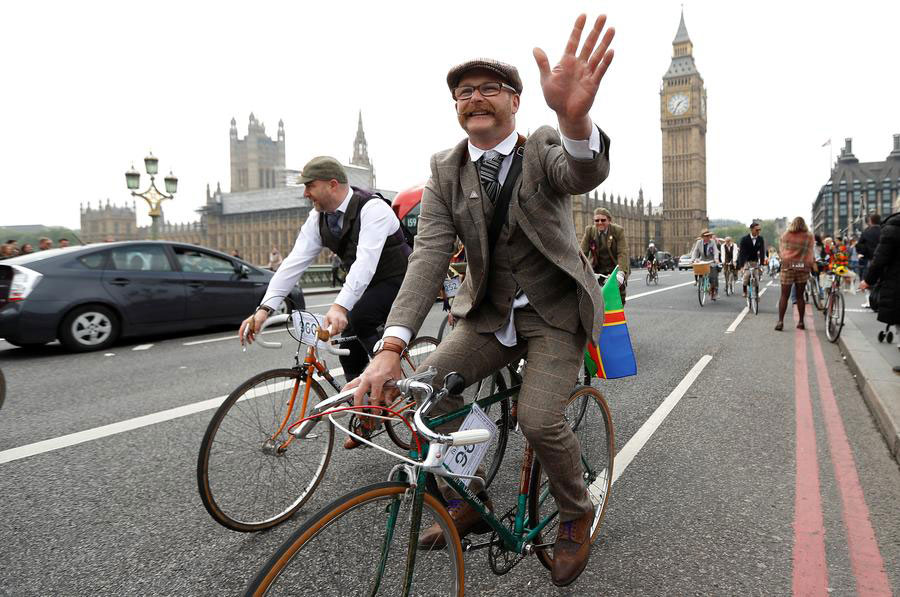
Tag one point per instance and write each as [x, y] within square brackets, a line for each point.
[109, 354]
[142, 347]
[639, 439]
[737, 321]
[634, 296]
[87, 435]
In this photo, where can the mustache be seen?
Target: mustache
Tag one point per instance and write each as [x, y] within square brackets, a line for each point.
[470, 111]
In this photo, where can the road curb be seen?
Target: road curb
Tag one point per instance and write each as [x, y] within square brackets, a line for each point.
[877, 382]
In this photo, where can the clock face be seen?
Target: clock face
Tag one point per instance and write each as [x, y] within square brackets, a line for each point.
[678, 104]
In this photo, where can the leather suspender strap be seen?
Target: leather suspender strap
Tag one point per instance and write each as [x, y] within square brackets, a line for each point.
[502, 208]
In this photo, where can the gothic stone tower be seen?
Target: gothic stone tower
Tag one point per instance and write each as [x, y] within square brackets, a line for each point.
[682, 101]
[360, 147]
[257, 162]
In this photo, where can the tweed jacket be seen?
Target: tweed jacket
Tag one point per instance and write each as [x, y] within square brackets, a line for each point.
[616, 242]
[540, 205]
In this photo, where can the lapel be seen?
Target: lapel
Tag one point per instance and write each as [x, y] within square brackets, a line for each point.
[471, 193]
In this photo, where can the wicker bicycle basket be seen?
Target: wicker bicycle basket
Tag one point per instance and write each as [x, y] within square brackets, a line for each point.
[701, 269]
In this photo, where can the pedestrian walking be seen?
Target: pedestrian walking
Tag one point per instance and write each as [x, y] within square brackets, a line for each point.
[27, 248]
[868, 240]
[275, 259]
[45, 243]
[606, 246]
[884, 271]
[797, 251]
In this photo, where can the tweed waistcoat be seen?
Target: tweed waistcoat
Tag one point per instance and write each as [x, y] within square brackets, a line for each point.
[393, 260]
[516, 263]
[603, 251]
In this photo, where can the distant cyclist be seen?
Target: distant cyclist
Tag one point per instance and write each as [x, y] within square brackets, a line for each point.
[752, 250]
[650, 258]
[706, 250]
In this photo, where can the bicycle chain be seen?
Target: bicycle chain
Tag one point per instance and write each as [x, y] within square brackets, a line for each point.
[500, 559]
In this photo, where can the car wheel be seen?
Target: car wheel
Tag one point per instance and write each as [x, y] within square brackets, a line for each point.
[90, 327]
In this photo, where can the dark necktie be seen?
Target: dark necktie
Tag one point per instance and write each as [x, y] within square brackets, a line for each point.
[332, 219]
[489, 173]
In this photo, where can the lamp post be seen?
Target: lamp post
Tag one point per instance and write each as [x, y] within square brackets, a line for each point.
[153, 196]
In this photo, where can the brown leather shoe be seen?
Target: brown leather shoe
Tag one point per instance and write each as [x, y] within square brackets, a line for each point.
[351, 442]
[571, 550]
[466, 519]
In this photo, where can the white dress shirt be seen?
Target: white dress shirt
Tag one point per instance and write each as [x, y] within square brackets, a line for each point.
[377, 222]
[578, 149]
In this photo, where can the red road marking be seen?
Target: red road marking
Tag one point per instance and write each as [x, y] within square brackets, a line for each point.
[865, 557]
[810, 569]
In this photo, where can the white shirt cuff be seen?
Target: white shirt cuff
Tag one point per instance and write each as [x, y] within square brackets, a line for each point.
[583, 149]
[398, 331]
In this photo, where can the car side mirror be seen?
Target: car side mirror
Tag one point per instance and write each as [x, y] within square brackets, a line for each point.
[241, 270]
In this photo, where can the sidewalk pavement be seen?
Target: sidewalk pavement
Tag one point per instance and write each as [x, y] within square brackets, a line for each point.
[872, 362]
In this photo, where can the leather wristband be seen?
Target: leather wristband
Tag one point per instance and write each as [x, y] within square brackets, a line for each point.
[266, 308]
[388, 345]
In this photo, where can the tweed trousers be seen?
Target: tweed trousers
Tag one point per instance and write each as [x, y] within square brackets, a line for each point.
[555, 358]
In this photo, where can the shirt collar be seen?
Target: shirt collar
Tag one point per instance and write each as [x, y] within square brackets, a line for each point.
[505, 147]
[343, 206]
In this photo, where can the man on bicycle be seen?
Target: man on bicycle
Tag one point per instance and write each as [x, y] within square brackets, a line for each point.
[363, 231]
[728, 256]
[706, 249]
[605, 245]
[528, 287]
[650, 258]
[752, 250]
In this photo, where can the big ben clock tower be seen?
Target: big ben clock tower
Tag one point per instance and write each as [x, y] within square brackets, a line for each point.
[682, 100]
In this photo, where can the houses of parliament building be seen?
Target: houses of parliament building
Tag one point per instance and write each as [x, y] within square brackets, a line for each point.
[265, 206]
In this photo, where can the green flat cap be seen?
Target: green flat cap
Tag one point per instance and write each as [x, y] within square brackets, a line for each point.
[507, 72]
[323, 167]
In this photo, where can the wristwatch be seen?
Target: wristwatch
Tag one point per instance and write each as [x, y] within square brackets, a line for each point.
[269, 310]
[389, 344]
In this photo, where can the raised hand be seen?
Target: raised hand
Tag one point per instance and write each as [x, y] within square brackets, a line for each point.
[571, 86]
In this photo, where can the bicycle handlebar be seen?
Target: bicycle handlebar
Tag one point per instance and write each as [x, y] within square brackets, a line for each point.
[284, 317]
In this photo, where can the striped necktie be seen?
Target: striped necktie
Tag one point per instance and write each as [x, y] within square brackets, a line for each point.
[489, 173]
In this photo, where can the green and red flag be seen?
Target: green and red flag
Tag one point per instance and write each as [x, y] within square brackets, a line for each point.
[611, 356]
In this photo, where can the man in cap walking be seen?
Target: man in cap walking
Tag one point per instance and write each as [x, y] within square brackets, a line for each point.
[528, 287]
[363, 231]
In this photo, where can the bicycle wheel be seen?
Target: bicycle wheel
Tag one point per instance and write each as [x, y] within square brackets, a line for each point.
[648, 279]
[360, 545]
[445, 328]
[814, 292]
[701, 291]
[597, 439]
[834, 316]
[246, 481]
[753, 297]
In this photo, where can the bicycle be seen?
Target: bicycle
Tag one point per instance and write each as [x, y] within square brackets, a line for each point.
[652, 274]
[386, 517]
[248, 438]
[729, 278]
[813, 291]
[753, 288]
[702, 270]
[834, 304]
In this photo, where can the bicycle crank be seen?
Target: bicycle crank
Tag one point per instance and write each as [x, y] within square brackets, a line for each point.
[501, 559]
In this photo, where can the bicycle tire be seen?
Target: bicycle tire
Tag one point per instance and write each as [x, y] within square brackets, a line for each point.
[599, 471]
[753, 297]
[327, 561]
[217, 470]
[443, 329]
[701, 293]
[416, 353]
[834, 316]
[814, 294]
[649, 278]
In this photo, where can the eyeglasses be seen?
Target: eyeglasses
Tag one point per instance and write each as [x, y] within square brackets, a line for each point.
[465, 92]
[600, 220]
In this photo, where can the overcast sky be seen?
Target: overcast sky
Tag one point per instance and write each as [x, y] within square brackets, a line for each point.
[89, 88]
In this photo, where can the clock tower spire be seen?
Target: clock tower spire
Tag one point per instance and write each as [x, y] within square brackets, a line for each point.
[683, 123]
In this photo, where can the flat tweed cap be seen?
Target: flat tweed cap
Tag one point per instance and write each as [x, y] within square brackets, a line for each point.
[323, 167]
[508, 72]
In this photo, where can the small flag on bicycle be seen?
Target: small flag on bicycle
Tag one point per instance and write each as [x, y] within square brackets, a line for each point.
[612, 356]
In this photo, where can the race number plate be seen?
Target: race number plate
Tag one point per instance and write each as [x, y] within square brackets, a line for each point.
[451, 286]
[464, 460]
[305, 326]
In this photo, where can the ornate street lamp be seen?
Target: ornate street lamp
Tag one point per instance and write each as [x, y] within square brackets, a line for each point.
[153, 196]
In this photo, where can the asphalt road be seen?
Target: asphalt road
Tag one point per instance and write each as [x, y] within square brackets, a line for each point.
[755, 482]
